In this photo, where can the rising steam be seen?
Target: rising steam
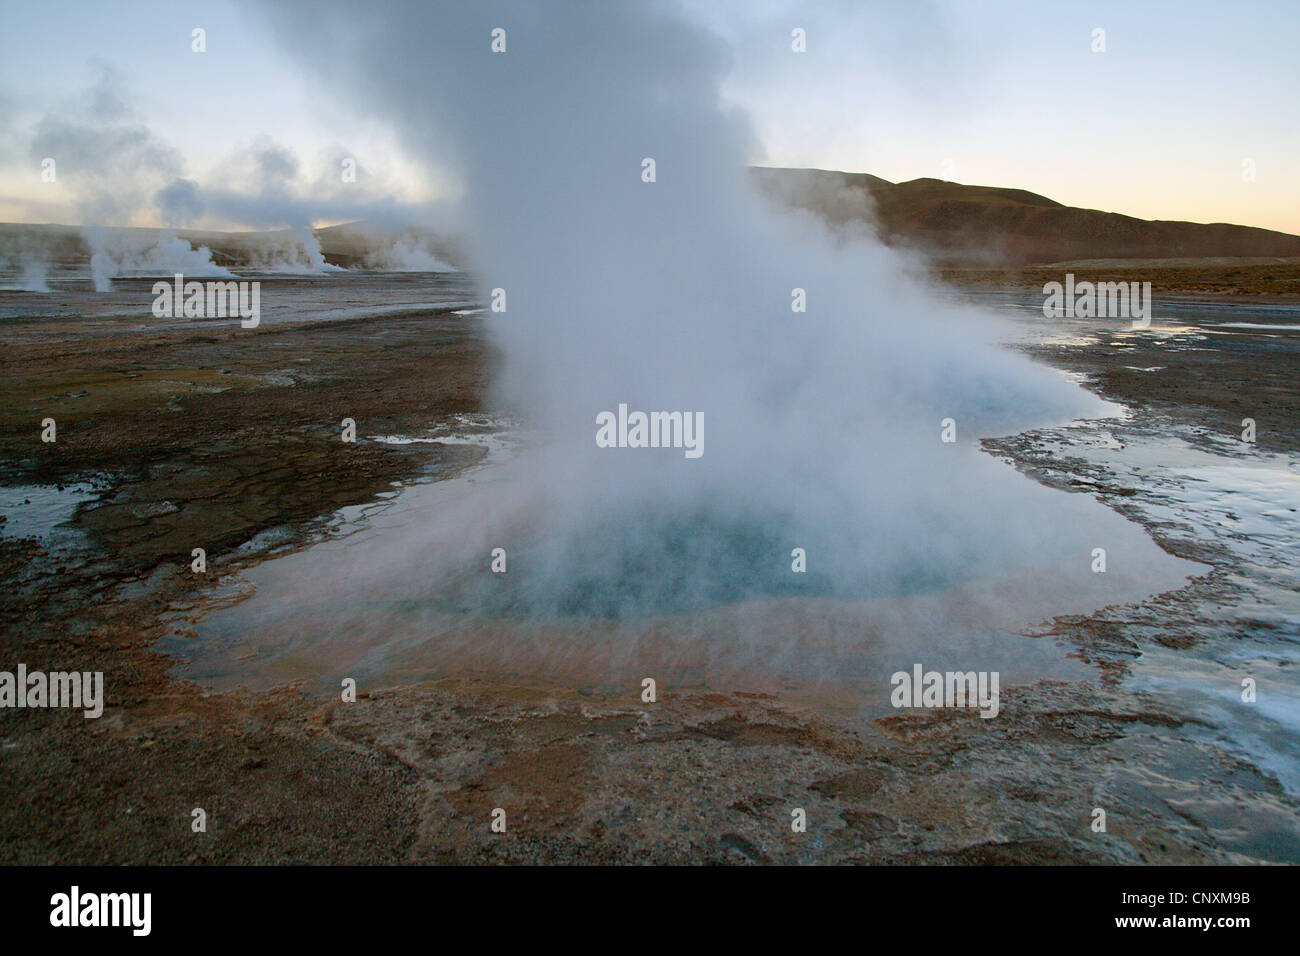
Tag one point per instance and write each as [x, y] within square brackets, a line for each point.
[822, 427]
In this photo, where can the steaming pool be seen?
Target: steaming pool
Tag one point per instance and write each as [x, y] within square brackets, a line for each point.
[399, 591]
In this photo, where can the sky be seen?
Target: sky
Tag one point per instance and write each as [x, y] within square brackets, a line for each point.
[1189, 112]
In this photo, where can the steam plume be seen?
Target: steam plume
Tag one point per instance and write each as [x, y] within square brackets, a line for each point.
[822, 427]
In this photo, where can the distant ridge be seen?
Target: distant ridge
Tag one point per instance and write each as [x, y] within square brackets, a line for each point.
[957, 226]
[992, 227]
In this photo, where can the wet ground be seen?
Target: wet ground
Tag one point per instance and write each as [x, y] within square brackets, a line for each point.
[173, 437]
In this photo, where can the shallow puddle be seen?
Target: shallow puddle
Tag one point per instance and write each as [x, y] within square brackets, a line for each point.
[42, 511]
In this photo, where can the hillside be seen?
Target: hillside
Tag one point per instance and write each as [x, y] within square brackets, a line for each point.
[959, 227]
[990, 227]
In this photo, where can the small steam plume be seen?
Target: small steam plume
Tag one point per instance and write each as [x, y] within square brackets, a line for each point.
[406, 254]
[294, 251]
[33, 277]
[28, 260]
[120, 252]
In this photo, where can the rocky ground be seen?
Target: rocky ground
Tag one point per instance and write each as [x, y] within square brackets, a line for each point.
[214, 439]
[207, 439]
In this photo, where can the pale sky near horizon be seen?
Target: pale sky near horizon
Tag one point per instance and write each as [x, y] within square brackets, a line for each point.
[1160, 125]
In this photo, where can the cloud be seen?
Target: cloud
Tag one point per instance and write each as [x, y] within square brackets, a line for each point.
[105, 155]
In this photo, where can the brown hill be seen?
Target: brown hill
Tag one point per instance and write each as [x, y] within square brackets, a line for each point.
[986, 226]
[957, 226]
